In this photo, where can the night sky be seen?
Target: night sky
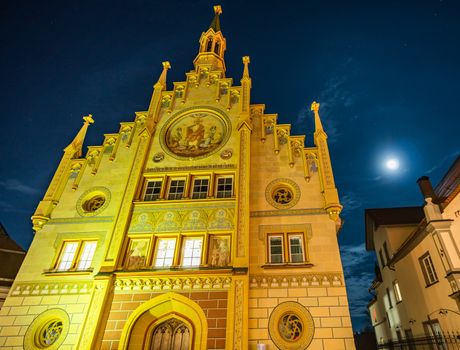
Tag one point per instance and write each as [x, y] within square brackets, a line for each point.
[385, 72]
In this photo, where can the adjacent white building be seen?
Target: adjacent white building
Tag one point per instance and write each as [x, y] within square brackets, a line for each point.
[417, 284]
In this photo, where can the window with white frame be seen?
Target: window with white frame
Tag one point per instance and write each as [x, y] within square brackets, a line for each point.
[275, 249]
[296, 248]
[224, 187]
[76, 255]
[153, 190]
[397, 291]
[165, 252]
[428, 269]
[176, 189]
[286, 247]
[192, 248]
[200, 188]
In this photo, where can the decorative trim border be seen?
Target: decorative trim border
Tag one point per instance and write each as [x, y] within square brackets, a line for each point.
[188, 168]
[333, 279]
[291, 212]
[171, 283]
[84, 220]
[51, 288]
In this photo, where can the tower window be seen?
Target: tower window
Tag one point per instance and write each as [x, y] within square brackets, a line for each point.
[165, 252]
[224, 187]
[176, 189]
[217, 47]
[200, 188]
[209, 45]
[153, 190]
[67, 256]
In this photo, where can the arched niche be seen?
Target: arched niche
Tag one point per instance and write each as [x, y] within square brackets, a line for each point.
[138, 330]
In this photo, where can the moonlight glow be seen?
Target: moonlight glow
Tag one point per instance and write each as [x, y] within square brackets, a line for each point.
[392, 164]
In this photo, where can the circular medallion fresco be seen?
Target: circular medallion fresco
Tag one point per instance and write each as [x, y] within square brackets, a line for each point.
[195, 133]
[282, 193]
[291, 326]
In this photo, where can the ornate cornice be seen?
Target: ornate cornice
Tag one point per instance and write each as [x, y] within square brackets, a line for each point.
[83, 220]
[172, 283]
[51, 288]
[190, 168]
[288, 212]
[332, 279]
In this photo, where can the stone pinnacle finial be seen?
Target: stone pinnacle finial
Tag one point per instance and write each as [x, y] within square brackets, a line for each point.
[217, 9]
[315, 109]
[246, 61]
[162, 80]
[88, 119]
[315, 106]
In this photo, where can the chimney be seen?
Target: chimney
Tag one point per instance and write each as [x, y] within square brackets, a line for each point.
[427, 190]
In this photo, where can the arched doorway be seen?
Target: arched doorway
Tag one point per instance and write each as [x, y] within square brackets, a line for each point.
[172, 334]
[167, 322]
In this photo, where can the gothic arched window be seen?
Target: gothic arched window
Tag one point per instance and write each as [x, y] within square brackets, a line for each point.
[172, 334]
[217, 47]
[209, 45]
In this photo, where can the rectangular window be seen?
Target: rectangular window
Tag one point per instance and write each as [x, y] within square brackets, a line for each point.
[191, 255]
[224, 187]
[153, 190]
[176, 189]
[68, 255]
[165, 252]
[276, 249]
[428, 269]
[397, 291]
[200, 188]
[76, 255]
[296, 249]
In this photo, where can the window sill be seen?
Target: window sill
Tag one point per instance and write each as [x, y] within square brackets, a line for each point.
[287, 265]
[175, 269]
[72, 272]
[181, 200]
[431, 284]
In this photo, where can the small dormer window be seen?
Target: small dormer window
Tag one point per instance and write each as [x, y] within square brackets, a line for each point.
[217, 47]
[209, 45]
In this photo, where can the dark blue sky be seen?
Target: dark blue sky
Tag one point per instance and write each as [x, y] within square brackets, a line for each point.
[386, 74]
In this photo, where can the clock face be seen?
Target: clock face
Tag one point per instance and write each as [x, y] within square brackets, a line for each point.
[197, 133]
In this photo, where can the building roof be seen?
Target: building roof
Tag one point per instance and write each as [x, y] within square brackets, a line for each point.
[389, 216]
[449, 186]
[6, 242]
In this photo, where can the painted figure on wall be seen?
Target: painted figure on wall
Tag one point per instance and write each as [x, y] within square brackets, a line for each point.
[220, 251]
[137, 254]
[195, 134]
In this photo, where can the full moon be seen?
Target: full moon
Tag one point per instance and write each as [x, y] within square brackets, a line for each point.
[392, 164]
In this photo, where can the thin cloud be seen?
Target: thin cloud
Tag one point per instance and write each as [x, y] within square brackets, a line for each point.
[16, 186]
[350, 202]
[448, 157]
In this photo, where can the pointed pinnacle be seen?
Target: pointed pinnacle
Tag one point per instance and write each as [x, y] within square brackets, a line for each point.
[215, 24]
[246, 61]
[315, 109]
[162, 79]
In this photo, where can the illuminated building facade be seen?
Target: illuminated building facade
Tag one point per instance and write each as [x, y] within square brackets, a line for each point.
[417, 284]
[202, 224]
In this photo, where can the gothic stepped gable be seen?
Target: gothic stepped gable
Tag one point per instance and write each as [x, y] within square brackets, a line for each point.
[202, 222]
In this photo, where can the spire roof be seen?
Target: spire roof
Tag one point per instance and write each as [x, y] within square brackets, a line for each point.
[76, 145]
[215, 24]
